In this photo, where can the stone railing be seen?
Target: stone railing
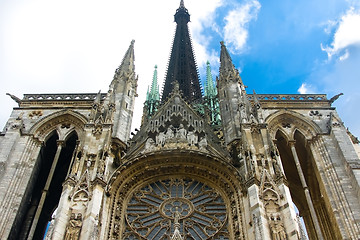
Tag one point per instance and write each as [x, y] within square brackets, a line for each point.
[62, 97]
[289, 97]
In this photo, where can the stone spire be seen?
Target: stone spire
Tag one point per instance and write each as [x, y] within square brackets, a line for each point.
[227, 66]
[122, 92]
[127, 64]
[182, 66]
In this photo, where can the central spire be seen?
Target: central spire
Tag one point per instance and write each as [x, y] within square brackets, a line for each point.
[182, 67]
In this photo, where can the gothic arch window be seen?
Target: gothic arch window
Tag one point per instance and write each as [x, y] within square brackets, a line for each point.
[44, 187]
[160, 208]
[296, 186]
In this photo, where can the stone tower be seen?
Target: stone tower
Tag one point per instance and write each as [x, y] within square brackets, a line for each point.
[226, 165]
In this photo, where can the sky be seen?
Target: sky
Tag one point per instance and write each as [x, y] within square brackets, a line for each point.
[282, 46]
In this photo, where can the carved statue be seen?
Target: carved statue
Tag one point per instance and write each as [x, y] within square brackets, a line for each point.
[160, 139]
[74, 227]
[203, 143]
[75, 167]
[277, 227]
[149, 144]
[243, 114]
[181, 133]
[169, 133]
[101, 168]
[192, 138]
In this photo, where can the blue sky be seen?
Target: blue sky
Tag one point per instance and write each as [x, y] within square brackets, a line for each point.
[282, 46]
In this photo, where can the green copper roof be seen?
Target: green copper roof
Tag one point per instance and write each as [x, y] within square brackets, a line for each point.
[210, 89]
[153, 94]
[211, 99]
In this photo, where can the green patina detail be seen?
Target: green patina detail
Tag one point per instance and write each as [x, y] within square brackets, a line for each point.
[153, 95]
[210, 89]
[211, 99]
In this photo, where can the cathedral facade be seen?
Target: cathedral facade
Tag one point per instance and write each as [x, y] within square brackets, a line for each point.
[212, 164]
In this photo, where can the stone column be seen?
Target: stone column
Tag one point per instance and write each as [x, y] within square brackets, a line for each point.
[60, 145]
[306, 190]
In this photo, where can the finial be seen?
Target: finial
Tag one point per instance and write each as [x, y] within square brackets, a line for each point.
[132, 42]
[222, 43]
[182, 4]
[155, 66]
[176, 235]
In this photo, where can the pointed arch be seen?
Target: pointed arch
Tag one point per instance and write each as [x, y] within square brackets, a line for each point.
[64, 122]
[303, 176]
[44, 188]
[288, 122]
[143, 174]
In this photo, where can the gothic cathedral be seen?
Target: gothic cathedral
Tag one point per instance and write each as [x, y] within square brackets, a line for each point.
[217, 163]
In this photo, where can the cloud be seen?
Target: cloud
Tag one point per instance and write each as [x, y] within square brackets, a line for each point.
[346, 34]
[199, 25]
[237, 23]
[67, 46]
[341, 72]
[303, 89]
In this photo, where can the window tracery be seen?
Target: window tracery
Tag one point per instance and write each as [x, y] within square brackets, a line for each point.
[161, 208]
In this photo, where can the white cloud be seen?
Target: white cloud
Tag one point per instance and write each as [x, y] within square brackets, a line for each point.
[345, 56]
[307, 88]
[203, 18]
[346, 35]
[304, 89]
[75, 46]
[237, 23]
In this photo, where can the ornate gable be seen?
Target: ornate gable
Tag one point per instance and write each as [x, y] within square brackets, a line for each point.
[176, 126]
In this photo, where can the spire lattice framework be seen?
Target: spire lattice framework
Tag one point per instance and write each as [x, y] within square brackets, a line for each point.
[182, 66]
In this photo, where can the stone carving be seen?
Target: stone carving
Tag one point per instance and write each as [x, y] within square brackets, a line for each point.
[203, 143]
[169, 133]
[334, 98]
[35, 114]
[181, 132]
[74, 227]
[160, 139]
[257, 231]
[271, 199]
[288, 97]
[192, 138]
[243, 114]
[149, 145]
[17, 123]
[277, 227]
[15, 98]
[315, 113]
[76, 164]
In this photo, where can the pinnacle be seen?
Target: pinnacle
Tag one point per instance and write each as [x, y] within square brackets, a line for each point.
[127, 63]
[225, 59]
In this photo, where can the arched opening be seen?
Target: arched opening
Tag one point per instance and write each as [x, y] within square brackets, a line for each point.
[304, 185]
[177, 195]
[44, 188]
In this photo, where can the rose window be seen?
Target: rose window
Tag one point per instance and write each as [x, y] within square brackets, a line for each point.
[188, 207]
